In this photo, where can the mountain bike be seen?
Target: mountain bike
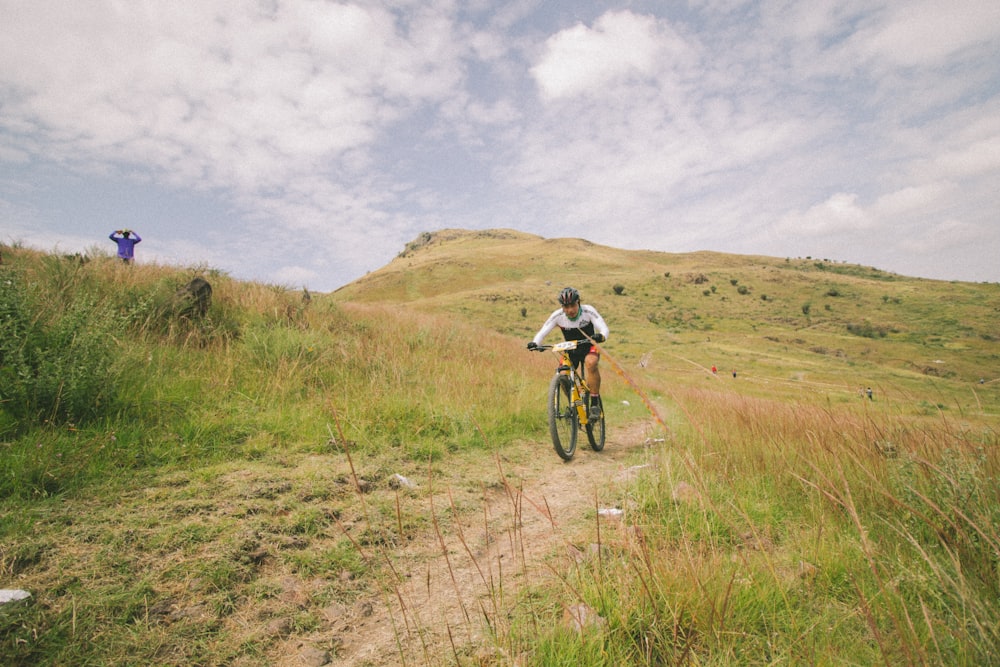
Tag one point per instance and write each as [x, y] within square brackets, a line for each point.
[569, 403]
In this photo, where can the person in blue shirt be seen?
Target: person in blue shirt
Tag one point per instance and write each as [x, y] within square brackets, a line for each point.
[126, 240]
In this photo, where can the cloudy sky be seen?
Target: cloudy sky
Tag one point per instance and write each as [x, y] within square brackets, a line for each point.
[305, 142]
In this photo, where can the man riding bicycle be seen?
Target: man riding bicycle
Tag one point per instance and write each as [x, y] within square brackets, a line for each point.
[579, 322]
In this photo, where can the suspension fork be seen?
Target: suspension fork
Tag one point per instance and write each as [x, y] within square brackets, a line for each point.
[577, 381]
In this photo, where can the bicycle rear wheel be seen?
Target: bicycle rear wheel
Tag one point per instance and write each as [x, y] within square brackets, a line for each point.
[595, 430]
[563, 424]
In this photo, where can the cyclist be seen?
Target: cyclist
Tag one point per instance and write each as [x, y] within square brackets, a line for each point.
[579, 322]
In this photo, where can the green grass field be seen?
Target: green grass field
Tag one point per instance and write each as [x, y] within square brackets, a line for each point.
[179, 491]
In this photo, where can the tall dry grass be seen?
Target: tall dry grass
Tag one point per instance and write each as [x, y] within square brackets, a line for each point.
[256, 445]
[773, 532]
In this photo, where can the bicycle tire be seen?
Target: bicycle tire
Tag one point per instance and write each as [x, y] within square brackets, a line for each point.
[595, 431]
[563, 422]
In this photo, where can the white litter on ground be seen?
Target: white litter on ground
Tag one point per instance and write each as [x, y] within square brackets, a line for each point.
[12, 595]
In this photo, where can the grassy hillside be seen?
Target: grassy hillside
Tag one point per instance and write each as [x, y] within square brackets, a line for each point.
[790, 325]
[235, 489]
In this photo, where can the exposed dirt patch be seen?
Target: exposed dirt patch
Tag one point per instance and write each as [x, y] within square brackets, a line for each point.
[468, 566]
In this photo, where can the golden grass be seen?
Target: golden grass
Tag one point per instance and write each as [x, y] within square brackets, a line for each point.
[245, 490]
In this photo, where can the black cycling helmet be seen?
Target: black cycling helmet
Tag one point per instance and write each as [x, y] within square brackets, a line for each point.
[568, 296]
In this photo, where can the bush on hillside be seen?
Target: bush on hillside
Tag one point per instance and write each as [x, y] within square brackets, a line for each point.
[60, 369]
[867, 330]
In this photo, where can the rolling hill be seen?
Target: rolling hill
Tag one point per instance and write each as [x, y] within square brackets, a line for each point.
[777, 319]
[364, 477]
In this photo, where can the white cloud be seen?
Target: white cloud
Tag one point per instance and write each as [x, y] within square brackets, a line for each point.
[328, 134]
[634, 143]
[244, 96]
[910, 200]
[281, 106]
[925, 33]
[10, 154]
[945, 235]
[978, 157]
[844, 214]
[621, 45]
[840, 214]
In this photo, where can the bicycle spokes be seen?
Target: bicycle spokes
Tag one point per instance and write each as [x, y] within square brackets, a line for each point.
[563, 422]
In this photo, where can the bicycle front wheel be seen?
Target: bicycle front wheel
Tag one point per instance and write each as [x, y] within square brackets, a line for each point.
[563, 424]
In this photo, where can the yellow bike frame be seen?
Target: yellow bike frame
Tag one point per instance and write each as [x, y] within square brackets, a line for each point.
[578, 380]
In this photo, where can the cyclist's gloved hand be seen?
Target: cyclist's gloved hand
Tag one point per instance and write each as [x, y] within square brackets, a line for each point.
[599, 338]
[532, 345]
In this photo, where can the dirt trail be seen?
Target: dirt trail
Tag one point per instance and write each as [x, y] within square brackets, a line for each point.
[449, 580]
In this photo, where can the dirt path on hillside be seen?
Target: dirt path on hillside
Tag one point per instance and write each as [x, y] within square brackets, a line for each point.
[466, 569]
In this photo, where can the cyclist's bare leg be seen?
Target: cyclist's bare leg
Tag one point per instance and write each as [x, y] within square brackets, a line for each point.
[593, 373]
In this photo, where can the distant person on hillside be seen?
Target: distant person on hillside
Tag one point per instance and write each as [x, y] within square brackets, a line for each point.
[126, 240]
[579, 322]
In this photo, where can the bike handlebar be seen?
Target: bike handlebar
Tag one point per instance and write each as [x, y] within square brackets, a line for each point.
[565, 345]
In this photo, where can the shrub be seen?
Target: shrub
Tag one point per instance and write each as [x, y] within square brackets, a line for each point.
[867, 330]
[743, 289]
[618, 289]
[61, 369]
[17, 327]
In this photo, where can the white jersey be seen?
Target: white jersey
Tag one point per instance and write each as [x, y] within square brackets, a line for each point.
[588, 321]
